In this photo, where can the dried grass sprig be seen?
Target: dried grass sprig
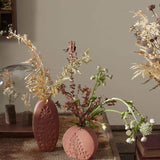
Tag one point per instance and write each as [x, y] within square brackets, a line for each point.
[38, 81]
[26, 98]
[72, 68]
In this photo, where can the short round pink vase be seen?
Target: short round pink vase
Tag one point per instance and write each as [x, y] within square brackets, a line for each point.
[45, 125]
[80, 143]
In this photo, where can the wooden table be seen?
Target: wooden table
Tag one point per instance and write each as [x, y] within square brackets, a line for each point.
[17, 142]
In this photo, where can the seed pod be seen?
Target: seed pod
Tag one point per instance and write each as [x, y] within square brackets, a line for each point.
[139, 38]
[150, 50]
[144, 43]
[155, 37]
[151, 40]
[136, 34]
[156, 60]
[151, 7]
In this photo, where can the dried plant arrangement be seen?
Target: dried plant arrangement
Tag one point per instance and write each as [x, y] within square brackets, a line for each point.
[26, 98]
[86, 106]
[5, 5]
[40, 84]
[148, 40]
[8, 86]
[39, 81]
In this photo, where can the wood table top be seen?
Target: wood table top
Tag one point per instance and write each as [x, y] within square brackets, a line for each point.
[17, 142]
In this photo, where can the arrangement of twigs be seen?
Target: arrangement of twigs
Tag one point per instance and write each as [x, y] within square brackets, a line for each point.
[8, 86]
[86, 106]
[148, 39]
[83, 104]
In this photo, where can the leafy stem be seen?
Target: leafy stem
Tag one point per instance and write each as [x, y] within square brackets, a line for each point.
[128, 104]
[100, 78]
[95, 86]
[112, 110]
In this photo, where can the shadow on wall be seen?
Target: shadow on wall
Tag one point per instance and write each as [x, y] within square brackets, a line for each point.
[26, 10]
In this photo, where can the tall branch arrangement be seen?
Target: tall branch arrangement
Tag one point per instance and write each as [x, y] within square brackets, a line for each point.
[86, 106]
[8, 86]
[148, 40]
[39, 81]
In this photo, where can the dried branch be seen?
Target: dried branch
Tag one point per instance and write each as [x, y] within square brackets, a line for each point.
[39, 81]
[26, 98]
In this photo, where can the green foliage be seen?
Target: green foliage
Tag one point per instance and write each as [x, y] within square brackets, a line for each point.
[94, 105]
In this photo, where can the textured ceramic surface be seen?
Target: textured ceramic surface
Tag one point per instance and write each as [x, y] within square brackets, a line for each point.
[46, 125]
[80, 143]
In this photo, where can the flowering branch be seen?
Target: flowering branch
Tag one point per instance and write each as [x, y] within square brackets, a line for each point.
[94, 106]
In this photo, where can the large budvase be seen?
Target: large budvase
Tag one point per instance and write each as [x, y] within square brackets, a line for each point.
[46, 125]
[80, 143]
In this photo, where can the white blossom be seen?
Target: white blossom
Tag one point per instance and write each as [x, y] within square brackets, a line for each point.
[143, 139]
[98, 67]
[126, 127]
[104, 126]
[132, 124]
[128, 140]
[152, 121]
[133, 139]
[146, 128]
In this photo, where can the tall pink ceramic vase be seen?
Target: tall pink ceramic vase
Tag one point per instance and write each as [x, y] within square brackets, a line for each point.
[80, 143]
[46, 125]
